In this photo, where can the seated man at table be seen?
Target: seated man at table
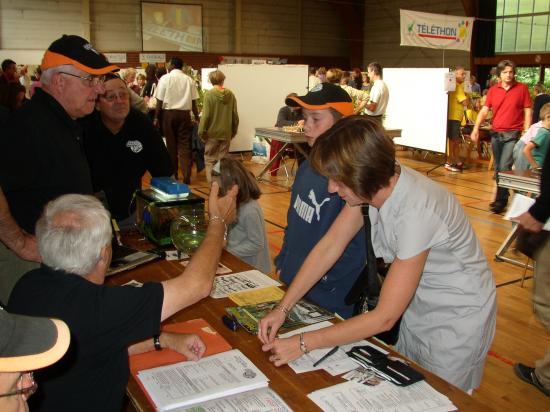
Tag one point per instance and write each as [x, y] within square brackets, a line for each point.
[121, 145]
[107, 323]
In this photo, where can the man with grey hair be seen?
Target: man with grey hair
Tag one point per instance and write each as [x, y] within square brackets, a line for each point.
[41, 154]
[107, 323]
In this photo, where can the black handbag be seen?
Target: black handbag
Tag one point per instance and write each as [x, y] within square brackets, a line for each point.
[528, 242]
[365, 292]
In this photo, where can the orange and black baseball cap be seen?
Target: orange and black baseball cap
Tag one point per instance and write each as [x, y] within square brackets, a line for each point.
[324, 96]
[28, 343]
[72, 49]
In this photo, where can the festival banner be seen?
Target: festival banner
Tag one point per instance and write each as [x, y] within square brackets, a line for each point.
[436, 31]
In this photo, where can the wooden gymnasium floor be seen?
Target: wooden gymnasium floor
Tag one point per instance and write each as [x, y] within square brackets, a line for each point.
[519, 335]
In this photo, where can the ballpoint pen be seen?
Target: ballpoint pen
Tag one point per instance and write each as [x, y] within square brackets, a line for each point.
[327, 355]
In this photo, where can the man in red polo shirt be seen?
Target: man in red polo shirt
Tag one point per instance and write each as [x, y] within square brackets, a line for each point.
[511, 105]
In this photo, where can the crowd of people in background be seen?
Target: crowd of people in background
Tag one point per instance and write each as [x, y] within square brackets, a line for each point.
[83, 128]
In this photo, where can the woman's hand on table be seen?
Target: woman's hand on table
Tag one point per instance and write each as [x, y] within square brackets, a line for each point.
[269, 325]
[283, 350]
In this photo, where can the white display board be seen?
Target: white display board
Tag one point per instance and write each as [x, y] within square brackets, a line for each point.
[418, 105]
[260, 90]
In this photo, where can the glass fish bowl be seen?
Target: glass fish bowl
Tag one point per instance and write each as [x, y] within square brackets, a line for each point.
[188, 230]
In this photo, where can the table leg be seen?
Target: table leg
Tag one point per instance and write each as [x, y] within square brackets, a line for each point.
[273, 160]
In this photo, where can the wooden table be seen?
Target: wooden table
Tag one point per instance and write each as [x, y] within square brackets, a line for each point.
[291, 387]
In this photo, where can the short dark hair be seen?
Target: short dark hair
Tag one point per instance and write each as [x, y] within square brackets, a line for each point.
[356, 152]
[6, 64]
[503, 64]
[232, 172]
[376, 68]
[176, 63]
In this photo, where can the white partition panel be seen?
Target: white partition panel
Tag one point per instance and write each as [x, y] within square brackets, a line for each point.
[260, 90]
[418, 106]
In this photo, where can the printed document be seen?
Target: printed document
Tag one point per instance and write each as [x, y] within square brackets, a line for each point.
[188, 383]
[353, 396]
[259, 400]
[521, 204]
[237, 282]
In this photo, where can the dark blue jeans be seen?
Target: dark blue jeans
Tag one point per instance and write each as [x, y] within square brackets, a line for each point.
[502, 144]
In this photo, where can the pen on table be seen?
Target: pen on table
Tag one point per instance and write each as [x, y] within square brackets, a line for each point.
[117, 232]
[326, 356]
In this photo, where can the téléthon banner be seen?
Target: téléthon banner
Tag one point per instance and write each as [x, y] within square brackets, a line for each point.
[435, 31]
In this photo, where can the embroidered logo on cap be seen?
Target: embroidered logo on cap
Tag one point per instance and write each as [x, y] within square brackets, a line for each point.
[134, 145]
[89, 47]
[317, 87]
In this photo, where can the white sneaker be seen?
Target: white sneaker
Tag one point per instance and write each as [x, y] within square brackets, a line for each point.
[452, 167]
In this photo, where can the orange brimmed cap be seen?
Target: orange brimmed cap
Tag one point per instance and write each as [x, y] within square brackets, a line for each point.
[324, 96]
[75, 50]
[28, 343]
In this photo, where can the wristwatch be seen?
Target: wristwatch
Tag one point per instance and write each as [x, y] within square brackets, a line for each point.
[156, 342]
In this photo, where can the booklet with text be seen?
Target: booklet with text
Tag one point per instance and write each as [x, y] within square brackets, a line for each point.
[188, 383]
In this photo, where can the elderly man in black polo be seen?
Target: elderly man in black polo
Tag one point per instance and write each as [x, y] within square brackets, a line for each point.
[41, 152]
[121, 145]
[74, 238]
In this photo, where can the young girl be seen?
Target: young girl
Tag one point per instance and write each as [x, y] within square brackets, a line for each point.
[246, 238]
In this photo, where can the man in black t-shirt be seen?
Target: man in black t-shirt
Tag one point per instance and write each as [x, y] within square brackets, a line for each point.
[121, 145]
[41, 152]
[107, 323]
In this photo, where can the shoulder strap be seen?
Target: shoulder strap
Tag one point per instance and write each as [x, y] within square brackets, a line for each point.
[368, 282]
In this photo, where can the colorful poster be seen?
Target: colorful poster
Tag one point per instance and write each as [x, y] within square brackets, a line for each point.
[176, 27]
[436, 31]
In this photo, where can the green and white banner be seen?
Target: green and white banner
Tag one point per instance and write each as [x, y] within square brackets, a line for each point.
[436, 31]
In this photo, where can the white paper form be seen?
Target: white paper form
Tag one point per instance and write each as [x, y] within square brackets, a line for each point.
[521, 204]
[336, 364]
[353, 397]
[187, 383]
[259, 400]
[237, 282]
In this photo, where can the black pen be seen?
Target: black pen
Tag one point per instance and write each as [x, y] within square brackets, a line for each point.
[328, 354]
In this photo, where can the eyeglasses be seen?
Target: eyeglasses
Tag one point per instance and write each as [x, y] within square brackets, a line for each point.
[26, 391]
[91, 81]
[111, 97]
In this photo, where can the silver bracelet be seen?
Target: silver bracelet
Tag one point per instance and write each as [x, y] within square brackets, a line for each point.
[303, 346]
[282, 308]
[221, 219]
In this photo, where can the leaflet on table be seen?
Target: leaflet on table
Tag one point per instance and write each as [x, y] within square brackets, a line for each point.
[302, 314]
[254, 296]
[336, 364]
[519, 205]
[237, 282]
[353, 396]
[187, 383]
[258, 400]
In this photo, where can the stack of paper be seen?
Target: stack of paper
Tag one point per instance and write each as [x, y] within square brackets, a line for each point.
[259, 400]
[237, 282]
[187, 383]
[353, 396]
